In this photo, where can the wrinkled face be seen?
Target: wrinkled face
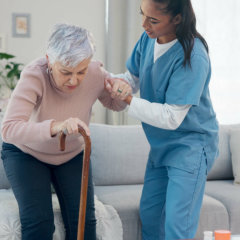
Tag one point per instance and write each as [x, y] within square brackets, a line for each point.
[156, 23]
[68, 79]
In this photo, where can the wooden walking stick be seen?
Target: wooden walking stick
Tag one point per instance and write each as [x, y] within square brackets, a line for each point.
[84, 181]
[85, 172]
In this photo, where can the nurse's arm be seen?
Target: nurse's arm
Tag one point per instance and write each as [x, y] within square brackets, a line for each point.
[165, 116]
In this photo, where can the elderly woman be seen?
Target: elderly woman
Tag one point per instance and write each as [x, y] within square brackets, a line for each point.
[54, 94]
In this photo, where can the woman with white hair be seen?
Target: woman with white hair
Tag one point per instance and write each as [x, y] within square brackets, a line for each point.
[54, 94]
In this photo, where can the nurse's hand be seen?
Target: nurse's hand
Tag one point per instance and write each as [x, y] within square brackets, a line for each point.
[118, 88]
[69, 126]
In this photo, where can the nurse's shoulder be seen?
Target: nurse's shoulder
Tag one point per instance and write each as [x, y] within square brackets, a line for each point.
[199, 49]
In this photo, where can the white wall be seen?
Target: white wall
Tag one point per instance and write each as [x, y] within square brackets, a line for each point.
[44, 14]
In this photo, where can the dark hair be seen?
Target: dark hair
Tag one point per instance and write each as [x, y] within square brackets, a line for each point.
[186, 30]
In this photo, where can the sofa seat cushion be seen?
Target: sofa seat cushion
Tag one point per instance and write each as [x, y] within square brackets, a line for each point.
[213, 216]
[125, 199]
[229, 195]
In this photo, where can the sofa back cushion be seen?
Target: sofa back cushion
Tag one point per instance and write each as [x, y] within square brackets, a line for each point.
[222, 167]
[119, 154]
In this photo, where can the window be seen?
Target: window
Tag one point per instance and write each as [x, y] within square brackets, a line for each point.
[218, 21]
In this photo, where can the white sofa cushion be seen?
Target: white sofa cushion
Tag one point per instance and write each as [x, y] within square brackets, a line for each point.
[109, 225]
[10, 227]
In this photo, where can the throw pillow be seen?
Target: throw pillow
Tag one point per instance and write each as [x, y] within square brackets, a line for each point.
[235, 152]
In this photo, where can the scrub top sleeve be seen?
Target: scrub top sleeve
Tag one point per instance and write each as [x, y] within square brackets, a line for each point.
[133, 62]
[187, 83]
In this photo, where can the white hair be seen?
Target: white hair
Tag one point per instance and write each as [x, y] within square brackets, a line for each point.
[69, 45]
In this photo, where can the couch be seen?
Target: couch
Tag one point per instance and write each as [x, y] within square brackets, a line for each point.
[119, 155]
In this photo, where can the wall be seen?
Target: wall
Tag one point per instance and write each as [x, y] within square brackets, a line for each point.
[44, 14]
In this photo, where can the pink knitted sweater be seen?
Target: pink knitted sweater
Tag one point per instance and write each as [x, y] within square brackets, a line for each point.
[36, 102]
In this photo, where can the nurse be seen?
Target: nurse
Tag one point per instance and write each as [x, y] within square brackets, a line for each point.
[171, 67]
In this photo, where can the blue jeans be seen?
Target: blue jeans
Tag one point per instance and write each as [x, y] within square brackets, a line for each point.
[31, 182]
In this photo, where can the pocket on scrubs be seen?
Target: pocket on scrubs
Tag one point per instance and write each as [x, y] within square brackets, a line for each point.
[210, 157]
[205, 159]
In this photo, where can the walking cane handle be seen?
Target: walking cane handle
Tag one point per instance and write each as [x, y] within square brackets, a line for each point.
[62, 138]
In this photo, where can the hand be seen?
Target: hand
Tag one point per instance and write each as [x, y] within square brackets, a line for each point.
[69, 126]
[118, 88]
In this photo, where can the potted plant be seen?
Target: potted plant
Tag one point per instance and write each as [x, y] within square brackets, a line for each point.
[9, 75]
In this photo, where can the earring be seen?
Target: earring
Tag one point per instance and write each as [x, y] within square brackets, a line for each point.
[49, 71]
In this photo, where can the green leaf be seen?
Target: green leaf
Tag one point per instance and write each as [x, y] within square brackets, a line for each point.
[16, 65]
[8, 66]
[6, 55]
[9, 71]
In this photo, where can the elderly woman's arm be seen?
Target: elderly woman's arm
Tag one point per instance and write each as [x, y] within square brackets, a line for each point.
[16, 125]
[19, 128]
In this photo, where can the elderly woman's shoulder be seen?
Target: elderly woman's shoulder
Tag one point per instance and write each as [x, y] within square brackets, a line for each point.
[39, 64]
[95, 65]
[37, 69]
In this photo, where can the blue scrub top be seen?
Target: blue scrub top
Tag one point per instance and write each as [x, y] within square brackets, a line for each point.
[168, 81]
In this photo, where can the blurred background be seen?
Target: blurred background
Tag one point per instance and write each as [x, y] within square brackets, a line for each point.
[116, 26]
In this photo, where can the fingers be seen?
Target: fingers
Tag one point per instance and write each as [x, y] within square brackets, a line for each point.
[118, 88]
[70, 126]
[121, 89]
[85, 127]
[108, 84]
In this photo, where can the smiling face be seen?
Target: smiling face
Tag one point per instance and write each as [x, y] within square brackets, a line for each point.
[157, 23]
[67, 79]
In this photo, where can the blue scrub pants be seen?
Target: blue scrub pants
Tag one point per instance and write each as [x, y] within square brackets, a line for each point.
[171, 202]
[31, 183]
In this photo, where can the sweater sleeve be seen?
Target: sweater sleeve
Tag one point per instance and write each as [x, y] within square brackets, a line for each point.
[17, 126]
[106, 99]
